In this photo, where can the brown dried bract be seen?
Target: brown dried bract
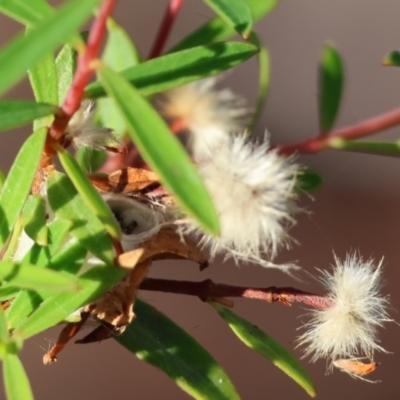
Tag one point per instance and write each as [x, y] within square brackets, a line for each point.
[115, 308]
[356, 368]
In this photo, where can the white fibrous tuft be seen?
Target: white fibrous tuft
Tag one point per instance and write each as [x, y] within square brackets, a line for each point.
[207, 113]
[252, 188]
[83, 131]
[348, 329]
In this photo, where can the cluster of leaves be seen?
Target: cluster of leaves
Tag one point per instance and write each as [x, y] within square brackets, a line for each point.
[82, 223]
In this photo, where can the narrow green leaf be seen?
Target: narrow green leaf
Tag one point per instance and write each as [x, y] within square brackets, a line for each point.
[26, 276]
[265, 345]
[161, 150]
[379, 148]
[216, 29]
[65, 65]
[34, 219]
[4, 336]
[26, 12]
[43, 80]
[330, 86]
[172, 70]
[89, 159]
[16, 382]
[8, 292]
[58, 307]
[87, 228]
[22, 306]
[57, 233]
[309, 180]
[264, 75]
[2, 176]
[156, 339]
[235, 13]
[19, 181]
[89, 193]
[69, 260]
[119, 54]
[19, 113]
[25, 51]
[392, 59]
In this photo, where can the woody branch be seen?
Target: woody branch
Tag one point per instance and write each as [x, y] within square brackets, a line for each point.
[364, 128]
[208, 289]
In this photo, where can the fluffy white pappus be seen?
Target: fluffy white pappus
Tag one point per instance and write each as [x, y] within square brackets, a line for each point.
[83, 131]
[138, 221]
[252, 188]
[348, 329]
[207, 113]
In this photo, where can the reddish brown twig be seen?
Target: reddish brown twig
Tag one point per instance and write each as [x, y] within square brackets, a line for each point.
[83, 71]
[74, 96]
[362, 129]
[165, 27]
[208, 289]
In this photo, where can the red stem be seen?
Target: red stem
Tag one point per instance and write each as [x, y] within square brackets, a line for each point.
[208, 289]
[83, 71]
[165, 27]
[362, 129]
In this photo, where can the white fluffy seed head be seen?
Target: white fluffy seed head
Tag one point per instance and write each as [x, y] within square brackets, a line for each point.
[206, 112]
[83, 131]
[349, 328]
[252, 188]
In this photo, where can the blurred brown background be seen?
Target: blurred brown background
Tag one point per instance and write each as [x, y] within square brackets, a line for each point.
[356, 208]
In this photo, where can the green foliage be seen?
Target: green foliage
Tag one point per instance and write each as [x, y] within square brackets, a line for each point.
[330, 86]
[161, 149]
[154, 338]
[59, 238]
[269, 348]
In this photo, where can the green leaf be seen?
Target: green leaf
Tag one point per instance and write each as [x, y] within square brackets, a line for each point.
[8, 292]
[16, 382]
[379, 148]
[25, 51]
[26, 276]
[216, 29]
[161, 150]
[65, 65]
[172, 70]
[330, 86]
[157, 340]
[19, 182]
[264, 75]
[87, 228]
[119, 54]
[43, 79]
[69, 260]
[392, 59]
[2, 176]
[309, 180]
[90, 159]
[26, 12]
[57, 233]
[34, 219]
[4, 336]
[235, 13]
[89, 193]
[265, 345]
[19, 113]
[58, 307]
